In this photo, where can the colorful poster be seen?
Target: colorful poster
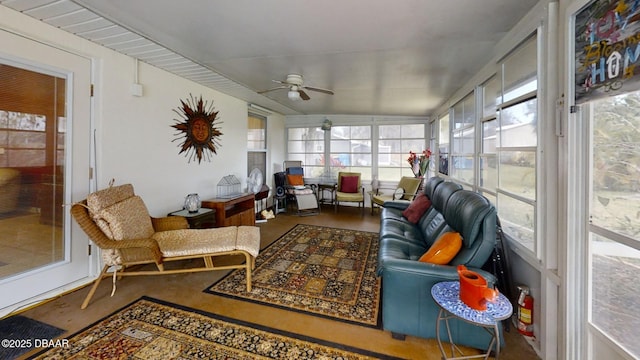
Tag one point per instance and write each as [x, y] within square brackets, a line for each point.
[607, 47]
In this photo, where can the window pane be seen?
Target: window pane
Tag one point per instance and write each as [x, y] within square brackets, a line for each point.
[32, 167]
[412, 131]
[462, 168]
[413, 145]
[489, 139]
[257, 133]
[615, 288]
[519, 124]
[393, 149]
[464, 112]
[257, 160]
[490, 197]
[616, 164]
[443, 148]
[463, 141]
[490, 96]
[351, 132]
[488, 172]
[350, 148]
[520, 71]
[517, 219]
[518, 173]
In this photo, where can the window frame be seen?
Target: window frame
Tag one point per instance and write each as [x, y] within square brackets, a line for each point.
[257, 157]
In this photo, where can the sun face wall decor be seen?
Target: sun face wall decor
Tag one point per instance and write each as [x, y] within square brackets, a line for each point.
[199, 129]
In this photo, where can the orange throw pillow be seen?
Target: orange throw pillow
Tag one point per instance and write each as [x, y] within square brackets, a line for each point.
[444, 249]
[295, 180]
[417, 208]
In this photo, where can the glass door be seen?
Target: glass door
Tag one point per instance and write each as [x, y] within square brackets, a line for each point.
[32, 152]
[44, 150]
[614, 220]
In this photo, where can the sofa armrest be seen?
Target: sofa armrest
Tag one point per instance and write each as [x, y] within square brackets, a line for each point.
[396, 204]
[437, 272]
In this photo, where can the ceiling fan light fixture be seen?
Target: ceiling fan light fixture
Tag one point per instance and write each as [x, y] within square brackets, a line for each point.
[293, 95]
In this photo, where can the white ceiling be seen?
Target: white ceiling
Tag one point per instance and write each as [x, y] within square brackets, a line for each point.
[380, 57]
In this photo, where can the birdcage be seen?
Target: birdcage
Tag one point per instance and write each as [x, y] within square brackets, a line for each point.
[228, 187]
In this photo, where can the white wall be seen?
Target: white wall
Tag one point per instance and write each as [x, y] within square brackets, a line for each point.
[134, 134]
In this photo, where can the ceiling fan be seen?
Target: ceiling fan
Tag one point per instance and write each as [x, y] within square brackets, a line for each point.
[296, 87]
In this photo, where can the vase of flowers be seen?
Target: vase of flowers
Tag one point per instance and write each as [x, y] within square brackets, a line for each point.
[419, 163]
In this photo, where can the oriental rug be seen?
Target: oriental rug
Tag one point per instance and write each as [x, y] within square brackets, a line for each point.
[323, 271]
[154, 329]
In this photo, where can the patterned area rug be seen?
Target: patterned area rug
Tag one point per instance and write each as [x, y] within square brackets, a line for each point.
[319, 270]
[153, 329]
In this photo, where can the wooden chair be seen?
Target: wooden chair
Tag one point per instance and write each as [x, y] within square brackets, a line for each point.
[118, 222]
[407, 189]
[349, 189]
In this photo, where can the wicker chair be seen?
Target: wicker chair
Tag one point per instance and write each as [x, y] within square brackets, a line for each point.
[116, 221]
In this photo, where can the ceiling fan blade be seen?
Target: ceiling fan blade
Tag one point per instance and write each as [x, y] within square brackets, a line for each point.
[303, 95]
[319, 90]
[275, 88]
[280, 82]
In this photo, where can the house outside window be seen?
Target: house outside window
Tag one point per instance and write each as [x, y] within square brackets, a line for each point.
[350, 150]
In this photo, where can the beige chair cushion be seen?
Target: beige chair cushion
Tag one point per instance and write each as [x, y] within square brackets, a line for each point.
[102, 199]
[357, 197]
[128, 219]
[187, 242]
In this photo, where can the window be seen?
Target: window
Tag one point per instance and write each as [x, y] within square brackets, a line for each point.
[350, 150]
[307, 145]
[516, 132]
[443, 146]
[614, 218]
[463, 146]
[257, 143]
[433, 144]
[394, 144]
[490, 92]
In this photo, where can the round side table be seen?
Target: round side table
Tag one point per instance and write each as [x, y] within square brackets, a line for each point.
[447, 296]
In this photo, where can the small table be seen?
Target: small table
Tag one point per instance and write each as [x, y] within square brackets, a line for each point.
[331, 188]
[447, 296]
[204, 218]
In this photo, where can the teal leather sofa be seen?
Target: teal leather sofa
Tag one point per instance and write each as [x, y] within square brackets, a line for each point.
[407, 305]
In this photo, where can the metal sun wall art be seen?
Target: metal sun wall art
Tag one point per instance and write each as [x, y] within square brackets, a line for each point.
[198, 128]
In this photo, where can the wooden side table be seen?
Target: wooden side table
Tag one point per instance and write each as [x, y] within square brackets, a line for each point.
[235, 211]
[447, 295]
[329, 187]
[203, 219]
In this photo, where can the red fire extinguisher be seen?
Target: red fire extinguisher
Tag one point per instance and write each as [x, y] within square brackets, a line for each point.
[525, 311]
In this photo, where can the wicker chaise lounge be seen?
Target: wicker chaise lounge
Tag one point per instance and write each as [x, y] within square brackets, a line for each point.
[118, 222]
